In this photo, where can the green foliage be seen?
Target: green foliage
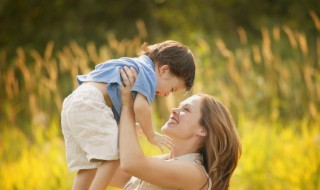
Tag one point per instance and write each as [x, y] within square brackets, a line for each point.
[32, 23]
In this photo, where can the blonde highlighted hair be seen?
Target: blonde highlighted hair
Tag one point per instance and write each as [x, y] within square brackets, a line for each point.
[221, 148]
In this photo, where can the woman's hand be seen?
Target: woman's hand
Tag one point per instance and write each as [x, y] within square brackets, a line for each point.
[129, 77]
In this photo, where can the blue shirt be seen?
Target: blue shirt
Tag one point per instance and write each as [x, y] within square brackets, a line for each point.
[108, 72]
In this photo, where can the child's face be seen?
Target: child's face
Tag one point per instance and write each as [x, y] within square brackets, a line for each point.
[167, 82]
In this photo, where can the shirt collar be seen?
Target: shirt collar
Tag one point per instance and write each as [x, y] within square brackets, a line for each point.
[147, 60]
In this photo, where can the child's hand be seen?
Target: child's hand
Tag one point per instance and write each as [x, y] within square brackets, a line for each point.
[161, 140]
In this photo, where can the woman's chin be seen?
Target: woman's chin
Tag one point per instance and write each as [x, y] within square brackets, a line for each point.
[167, 125]
[167, 129]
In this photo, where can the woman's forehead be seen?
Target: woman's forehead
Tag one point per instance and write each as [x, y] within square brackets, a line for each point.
[191, 100]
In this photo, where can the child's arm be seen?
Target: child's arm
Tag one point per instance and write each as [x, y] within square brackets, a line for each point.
[143, 116]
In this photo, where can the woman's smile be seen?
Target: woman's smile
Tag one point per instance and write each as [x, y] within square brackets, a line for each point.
[173, 120]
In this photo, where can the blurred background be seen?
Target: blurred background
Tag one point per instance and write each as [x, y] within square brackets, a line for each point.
[261, 58]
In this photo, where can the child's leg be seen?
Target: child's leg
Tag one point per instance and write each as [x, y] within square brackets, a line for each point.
[104, 175]
[94, 133]
[83, 179]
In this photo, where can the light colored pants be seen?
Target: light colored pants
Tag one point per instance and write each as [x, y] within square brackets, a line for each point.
[89, 129]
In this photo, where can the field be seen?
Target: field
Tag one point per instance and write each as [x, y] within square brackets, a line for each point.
[271, 86]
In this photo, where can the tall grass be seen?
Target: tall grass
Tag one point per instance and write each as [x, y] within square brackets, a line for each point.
[272, 88]
[279, 76]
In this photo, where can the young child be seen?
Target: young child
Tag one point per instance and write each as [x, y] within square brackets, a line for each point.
[90, 114]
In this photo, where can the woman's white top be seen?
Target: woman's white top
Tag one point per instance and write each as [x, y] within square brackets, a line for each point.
[137, 184]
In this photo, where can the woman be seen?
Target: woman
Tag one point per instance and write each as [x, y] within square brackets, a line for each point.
[205, 152]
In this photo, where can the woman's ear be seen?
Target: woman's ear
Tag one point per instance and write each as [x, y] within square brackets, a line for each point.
[202, 132]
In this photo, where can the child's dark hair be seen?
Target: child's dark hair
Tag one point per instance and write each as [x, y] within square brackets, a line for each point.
[177, 56]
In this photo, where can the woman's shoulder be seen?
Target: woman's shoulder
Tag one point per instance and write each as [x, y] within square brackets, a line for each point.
[196, 159]
[193, 157]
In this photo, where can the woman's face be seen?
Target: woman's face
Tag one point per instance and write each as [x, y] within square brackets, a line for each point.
[184, 120]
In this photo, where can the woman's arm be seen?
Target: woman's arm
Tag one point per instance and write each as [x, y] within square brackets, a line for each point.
[175, 173]
[120, 178]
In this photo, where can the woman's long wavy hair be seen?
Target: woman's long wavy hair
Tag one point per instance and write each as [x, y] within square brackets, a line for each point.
[221, 149]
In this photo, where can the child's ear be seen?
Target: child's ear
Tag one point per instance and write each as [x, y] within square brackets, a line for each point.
[164, 69]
